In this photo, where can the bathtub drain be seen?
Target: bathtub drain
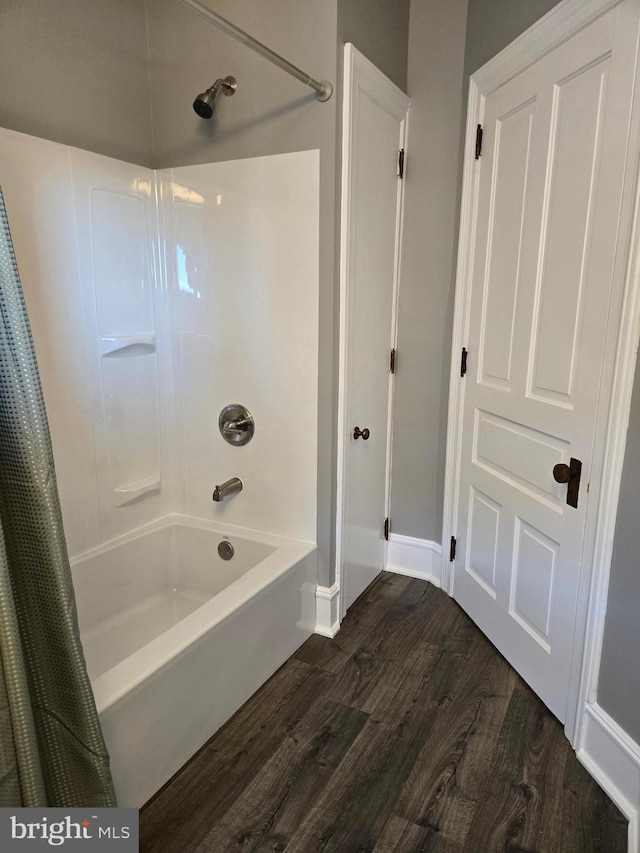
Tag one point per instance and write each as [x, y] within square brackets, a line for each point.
[225, 550]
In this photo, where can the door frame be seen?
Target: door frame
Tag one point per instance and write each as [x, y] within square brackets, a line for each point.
[359, 71]
[623, 329]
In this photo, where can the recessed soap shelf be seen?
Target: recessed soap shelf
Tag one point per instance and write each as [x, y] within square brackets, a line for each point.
[127, 345]
[137, 489]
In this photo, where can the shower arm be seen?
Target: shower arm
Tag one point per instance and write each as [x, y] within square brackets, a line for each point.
[323, 89]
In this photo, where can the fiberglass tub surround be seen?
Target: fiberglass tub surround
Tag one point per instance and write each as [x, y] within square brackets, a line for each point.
[156, 299]
[245, 331]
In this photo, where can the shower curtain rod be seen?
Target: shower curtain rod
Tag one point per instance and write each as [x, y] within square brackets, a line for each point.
[323, 89]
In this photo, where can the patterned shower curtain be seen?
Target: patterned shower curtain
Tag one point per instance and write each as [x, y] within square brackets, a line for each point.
[52, 752]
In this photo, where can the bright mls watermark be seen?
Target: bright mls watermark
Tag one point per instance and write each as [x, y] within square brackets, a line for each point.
[69, 829]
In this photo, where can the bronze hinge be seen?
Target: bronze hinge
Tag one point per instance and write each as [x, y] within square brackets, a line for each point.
[392, 361]
[387, 528]
[478, 142]
[452, 549]
[401, 163]
[463, 362]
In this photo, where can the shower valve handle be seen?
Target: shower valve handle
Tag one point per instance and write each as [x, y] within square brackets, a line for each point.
[239, 426]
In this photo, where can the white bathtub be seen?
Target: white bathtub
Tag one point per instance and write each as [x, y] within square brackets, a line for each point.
[176, 639]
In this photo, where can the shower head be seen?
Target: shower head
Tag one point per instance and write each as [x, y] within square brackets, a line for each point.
[205, 103]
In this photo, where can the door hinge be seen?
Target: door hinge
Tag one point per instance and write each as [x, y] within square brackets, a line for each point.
[478, 142]
[392, 361]
[387, 528]
[401, 163]
[463, 362]
[452, 549]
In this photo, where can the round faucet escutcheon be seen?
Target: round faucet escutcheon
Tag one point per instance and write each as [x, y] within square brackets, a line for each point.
[236, 424]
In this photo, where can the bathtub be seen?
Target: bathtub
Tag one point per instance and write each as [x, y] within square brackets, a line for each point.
[177, 639]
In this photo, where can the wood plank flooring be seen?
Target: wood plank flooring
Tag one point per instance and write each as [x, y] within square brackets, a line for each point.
[408, 732]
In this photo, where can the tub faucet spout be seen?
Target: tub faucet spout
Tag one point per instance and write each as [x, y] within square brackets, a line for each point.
[231, 487]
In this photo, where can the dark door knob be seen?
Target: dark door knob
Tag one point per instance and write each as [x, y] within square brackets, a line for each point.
[561, 473]
[361, 432]
[569, 474]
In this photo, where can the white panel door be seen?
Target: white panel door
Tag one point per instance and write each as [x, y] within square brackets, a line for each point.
[542, 276]
[374, 127]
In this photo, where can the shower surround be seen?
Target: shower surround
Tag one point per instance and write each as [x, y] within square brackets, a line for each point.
[156, 298]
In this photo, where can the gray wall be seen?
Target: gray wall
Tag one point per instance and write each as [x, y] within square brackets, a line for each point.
[439, 49]
[493, 24]
[76, 72]
[380, 30]
[270, 112]
[436, 55]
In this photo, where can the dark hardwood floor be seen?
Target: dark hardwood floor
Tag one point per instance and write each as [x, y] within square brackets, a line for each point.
[408, 732]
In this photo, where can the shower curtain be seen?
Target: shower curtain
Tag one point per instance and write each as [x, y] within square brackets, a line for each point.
[52, 752]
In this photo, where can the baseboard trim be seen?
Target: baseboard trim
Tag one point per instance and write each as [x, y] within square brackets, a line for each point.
[416, 558]
[613, 759]
[327, 616]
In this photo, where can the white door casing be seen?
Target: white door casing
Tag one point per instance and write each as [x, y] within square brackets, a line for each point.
[374, 129]
[545, 303]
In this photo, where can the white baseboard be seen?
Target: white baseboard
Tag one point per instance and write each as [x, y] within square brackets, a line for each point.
[327, 617]
[417, 558]
[613, 759]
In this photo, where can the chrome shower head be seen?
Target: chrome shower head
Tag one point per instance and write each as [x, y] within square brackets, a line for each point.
[205, 103]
